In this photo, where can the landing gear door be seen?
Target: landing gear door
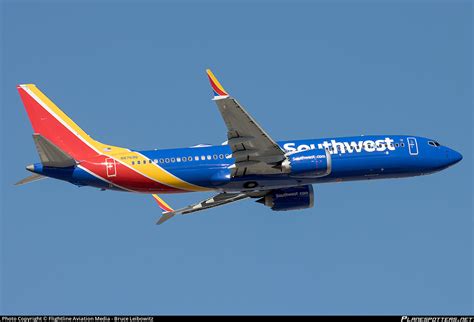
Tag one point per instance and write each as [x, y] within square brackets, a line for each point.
[412, 146]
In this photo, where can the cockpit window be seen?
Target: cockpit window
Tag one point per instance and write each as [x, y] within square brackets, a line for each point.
[433, 143]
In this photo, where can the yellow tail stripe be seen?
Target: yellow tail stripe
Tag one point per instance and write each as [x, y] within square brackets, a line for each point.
[78, 131]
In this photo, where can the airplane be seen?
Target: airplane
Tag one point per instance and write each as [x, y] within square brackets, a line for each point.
[249, 164]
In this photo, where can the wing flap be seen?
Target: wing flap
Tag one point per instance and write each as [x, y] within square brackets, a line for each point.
[215, 201]
[218, 200]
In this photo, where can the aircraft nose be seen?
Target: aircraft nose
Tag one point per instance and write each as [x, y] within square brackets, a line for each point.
[453, 157]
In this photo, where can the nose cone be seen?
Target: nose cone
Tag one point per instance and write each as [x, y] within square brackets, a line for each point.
[454, 157]
[30, 167]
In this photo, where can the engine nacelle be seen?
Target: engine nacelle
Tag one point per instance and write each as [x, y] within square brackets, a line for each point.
[289, 198]
[309, 163]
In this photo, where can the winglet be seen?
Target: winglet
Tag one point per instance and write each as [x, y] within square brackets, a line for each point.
[219, 91]
[162, 204]
[168, 212]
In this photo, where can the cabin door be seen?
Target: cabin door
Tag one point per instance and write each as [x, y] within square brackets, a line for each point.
[412, 146]
[110, 166]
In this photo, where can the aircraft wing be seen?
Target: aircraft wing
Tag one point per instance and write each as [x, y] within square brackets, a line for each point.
[215, 201]
[255, 152]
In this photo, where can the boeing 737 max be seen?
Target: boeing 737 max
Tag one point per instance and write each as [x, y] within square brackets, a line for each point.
[250, 164]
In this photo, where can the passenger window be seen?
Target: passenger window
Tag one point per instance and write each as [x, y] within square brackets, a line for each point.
[209, 157]
[184, 159]
[402, 144]
[162, 161]
[190, 158]
[167, 160]
[196, 158]
[172, 159]
[221, 156]
[214, 157]
[228, 156]
[133, 162]
[155, 161]
[178, 159]
[138, 162]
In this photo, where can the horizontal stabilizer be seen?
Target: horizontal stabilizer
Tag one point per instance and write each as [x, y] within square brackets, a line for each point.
[50, 154]
[32, 178]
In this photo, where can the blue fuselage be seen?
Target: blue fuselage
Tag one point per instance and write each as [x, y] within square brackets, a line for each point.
[353, 158]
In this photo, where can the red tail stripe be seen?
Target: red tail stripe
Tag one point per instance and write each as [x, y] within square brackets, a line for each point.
[48, 126]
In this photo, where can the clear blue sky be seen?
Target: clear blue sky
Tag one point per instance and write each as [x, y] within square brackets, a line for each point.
[133, 74]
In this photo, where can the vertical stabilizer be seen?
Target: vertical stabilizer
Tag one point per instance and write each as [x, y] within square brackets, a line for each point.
[57, 128]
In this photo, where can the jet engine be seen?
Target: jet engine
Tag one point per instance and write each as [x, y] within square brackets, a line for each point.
[289, 198]
[309, 163]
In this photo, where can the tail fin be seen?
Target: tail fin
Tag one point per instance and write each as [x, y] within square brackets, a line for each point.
[56, 127]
